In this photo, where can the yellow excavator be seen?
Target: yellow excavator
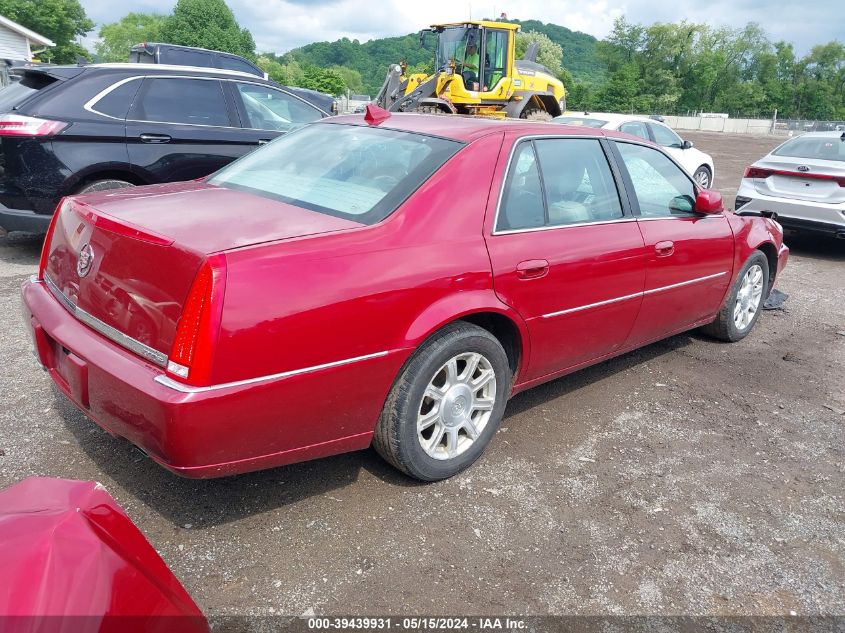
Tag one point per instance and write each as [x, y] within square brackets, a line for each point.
[476, 73]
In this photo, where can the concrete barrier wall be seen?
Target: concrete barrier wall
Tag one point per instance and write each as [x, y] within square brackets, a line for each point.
[713, 124]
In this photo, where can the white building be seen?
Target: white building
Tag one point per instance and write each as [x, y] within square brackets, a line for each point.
[19, 43]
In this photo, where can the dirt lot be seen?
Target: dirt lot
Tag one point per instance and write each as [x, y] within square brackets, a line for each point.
[689, 477]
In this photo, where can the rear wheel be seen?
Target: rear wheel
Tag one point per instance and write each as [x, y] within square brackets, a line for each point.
[446, 405]
[104, 185]
[744, 303]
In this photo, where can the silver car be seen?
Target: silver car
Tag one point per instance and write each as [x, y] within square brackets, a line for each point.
[803, 181]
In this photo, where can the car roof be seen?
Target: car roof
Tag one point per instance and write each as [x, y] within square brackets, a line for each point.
[172, 67]
[610, 117]
[464, 128]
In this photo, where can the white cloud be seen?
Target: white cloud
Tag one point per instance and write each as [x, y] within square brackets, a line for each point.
[279, 25]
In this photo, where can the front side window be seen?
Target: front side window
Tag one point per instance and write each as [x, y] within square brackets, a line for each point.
[664, 136]
[266, 108]
[178, 100]
[661, 187]
[636, 128]
[354, 172]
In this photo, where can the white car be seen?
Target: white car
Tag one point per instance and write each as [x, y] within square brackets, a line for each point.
[802, 181]
[697, 163]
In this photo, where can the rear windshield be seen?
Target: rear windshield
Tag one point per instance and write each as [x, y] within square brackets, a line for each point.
[17, 92]
[824, 147]
[579, 120]
[348, 171]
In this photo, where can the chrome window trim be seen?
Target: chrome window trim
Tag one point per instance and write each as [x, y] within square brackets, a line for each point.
[534, 137]
[633, 296]
[178, 386]
[89, 105]
[111, 333]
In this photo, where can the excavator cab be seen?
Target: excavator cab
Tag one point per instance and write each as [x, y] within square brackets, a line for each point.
[475, 73]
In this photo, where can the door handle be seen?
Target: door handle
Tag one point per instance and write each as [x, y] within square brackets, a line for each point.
[532, 269]
[263, 141]
[154, 138]
[664, 249]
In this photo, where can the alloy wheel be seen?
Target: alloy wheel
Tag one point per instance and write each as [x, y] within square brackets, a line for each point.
[456, 405]
[748, 298]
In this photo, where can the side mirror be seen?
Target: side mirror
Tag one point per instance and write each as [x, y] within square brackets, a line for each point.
[686, 145]
[709, 202]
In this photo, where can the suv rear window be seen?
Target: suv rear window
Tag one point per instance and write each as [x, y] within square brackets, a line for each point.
[364, 177]
[18, 91]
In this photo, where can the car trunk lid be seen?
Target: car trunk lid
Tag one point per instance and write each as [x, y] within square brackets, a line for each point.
[124, 261]
[813, 180]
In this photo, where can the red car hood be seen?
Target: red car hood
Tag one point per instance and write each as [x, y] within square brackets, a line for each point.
[68, 549]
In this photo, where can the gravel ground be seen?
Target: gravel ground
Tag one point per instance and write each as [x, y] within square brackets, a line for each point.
[689, 477]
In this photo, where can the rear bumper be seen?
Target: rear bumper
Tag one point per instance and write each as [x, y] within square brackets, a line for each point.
[21, 220]
[207, 433]
[798, 215]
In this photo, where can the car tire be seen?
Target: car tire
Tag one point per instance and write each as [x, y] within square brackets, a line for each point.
[103, 185]
[430, 427]
[744, 302]
[703, 177]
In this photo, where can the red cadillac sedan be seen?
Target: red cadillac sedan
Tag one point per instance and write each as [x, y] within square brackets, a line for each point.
[380, 281]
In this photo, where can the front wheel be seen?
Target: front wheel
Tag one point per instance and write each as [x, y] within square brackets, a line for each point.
[446, 405]
[742, 307]
[703, 177]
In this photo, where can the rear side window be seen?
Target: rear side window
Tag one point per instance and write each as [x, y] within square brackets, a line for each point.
[177, 100]
[578, 183]
[558, 182]
[116, 103]
[637, 128]
[522, 202]
[265, 108]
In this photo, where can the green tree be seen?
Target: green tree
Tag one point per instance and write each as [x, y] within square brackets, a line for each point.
[118, 37]
[549, 54]
[59, 20]
[328, 81]
[351, 78]
[207, 24]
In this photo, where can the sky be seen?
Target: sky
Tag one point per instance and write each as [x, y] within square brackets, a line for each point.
[280, 25]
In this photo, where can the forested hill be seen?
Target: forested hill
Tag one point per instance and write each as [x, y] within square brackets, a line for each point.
[372, 58]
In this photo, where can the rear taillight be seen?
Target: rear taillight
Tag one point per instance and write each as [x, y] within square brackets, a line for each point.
[196, 333]
[17, 125]
[757, 172]
[760, 172]
[64, 203]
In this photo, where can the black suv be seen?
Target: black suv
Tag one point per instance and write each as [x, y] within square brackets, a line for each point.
[75, 129]
[158, 53]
